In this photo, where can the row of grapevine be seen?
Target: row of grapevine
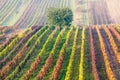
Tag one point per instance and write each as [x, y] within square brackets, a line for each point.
[11, 45]
[23, 62]
[38, 59]
[18, 46]
[49, 62]
[81, 68]
[34, 49]
[109, 71]
[87, 66]
[68, 51]
[56, 55]
[115, 33]
[112, 43]
[7, 42]
[94, 68]
[100, 64]
[68, 73]
[111, 56]
[58, 65]
[18, 57]
[60, 59]
[118, 28]
[69, 35]
[73, 53]
[48, 40]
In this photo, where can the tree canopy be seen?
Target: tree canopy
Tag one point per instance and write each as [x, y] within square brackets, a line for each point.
[60, 16]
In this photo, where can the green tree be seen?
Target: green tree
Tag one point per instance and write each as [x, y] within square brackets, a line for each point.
[60, 16]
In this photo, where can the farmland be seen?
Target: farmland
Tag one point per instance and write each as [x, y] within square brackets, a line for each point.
[22, 14]
[31, 49]
[50, 53]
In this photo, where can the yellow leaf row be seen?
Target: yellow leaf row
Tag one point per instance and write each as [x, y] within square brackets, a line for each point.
[107, 63]
[10, 46]
[81, 68]
[117, 28]
[70, 65]
[112, 43]
[115, 33]
[59, 63]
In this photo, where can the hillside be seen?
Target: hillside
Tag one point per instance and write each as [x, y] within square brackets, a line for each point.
[32, 49]
[89, 53]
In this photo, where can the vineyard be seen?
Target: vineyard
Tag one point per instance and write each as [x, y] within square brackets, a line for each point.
[54, 53]
[32, 49]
